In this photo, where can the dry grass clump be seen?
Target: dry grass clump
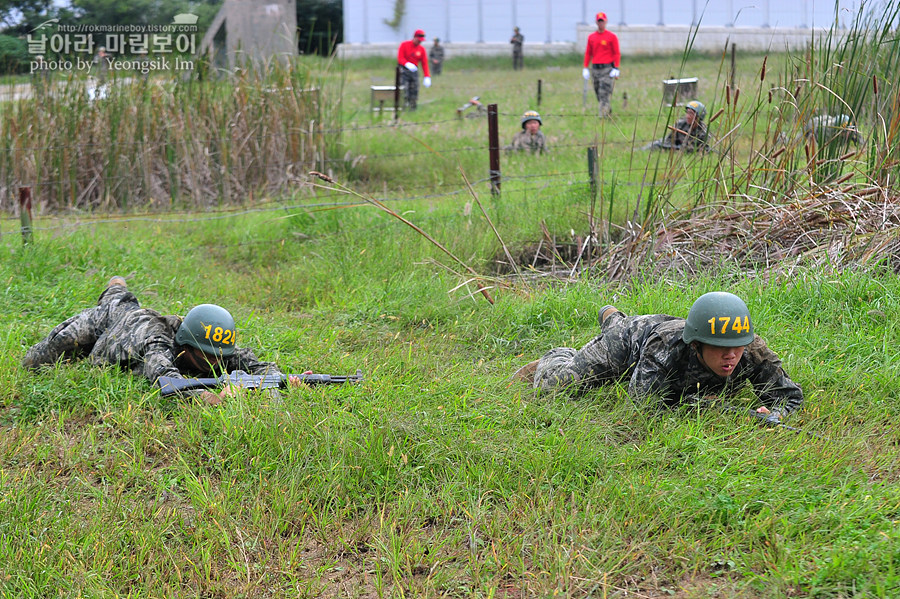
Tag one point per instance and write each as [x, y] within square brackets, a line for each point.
[148, 142]
[836, 229]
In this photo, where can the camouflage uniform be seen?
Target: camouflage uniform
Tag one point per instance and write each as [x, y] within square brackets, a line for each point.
[118, 331]
[517, 40]
[650, 352]
[436, 55]
[680, 140]
[603, 86]
[523, 140]
[826, 128]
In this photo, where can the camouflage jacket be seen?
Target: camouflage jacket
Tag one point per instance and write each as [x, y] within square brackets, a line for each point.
[119, 332]
[523, 140]
[682, 140]
[663, 364]
[649, 352]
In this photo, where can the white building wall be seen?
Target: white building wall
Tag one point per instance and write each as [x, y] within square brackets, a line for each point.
[553, 21]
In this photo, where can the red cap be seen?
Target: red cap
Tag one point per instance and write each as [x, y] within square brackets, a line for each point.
[601, 16]
[419, 33]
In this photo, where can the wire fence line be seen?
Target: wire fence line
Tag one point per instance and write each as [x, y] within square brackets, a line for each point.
[168, 183]
[281, 209]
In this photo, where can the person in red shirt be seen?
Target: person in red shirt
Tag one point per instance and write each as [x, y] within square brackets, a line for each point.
[410, 55]
[601, 63]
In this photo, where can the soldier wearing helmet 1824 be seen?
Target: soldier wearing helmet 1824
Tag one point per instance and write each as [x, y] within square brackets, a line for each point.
[712, 352]
[689, 133]
[531, 137]
[120, 332]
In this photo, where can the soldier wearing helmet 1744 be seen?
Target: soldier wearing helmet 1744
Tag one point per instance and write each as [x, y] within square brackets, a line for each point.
[530, 138]
[118, 331]
[689, 133]
[668, 361]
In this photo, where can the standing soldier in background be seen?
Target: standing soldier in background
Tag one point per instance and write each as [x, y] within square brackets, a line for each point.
[410, 55]
[601, 63]
[669, 361]
[517, 40]
[437, 56]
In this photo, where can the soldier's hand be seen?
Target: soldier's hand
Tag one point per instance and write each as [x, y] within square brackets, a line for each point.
[426, 82]
[296, 381]
[210, 398]
[614, 73]
[586, 74]
[413, 68]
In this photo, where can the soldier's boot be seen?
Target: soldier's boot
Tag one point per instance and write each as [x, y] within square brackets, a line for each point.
[117, 280]
[605, 312]
[526, 373]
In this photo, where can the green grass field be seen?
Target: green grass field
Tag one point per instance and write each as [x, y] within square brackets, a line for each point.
[437, 476]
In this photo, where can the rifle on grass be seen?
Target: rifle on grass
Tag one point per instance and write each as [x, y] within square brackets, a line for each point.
[238, 378]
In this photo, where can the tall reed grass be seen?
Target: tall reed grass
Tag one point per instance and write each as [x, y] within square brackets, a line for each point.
[158, 143]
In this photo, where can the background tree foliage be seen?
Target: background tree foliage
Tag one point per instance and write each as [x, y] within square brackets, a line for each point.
[21, 16]
[320, 26]
[319, 22]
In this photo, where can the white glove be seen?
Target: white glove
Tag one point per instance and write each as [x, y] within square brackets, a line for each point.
[586, 74]
[614, 73]
[426, 81]
[411, 67]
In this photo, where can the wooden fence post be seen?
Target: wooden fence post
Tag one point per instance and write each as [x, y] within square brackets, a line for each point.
[397, 93]
[494, 148]
[25, 213]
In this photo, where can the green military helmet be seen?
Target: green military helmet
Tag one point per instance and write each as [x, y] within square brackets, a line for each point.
[719, 318]
[698, 108]
[209, 328]
[531, 115]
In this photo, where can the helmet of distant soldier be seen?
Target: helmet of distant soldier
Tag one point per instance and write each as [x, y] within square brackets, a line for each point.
[209, 328]
[698, 108]
[719, 318]
[531, 115]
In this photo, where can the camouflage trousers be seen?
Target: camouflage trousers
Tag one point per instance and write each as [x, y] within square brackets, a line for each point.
[603, 87]
[603, 359]
[518, 62]
[77, 335]
[411, 81]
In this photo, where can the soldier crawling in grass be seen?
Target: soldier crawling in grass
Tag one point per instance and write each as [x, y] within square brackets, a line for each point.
[118, 331]
[825, 129]
[670, 361]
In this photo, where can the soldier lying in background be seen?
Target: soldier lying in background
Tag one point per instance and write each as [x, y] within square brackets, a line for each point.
[118, 331]
[669, 361]
[689, 133]
[530, 138]
[825, 129]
